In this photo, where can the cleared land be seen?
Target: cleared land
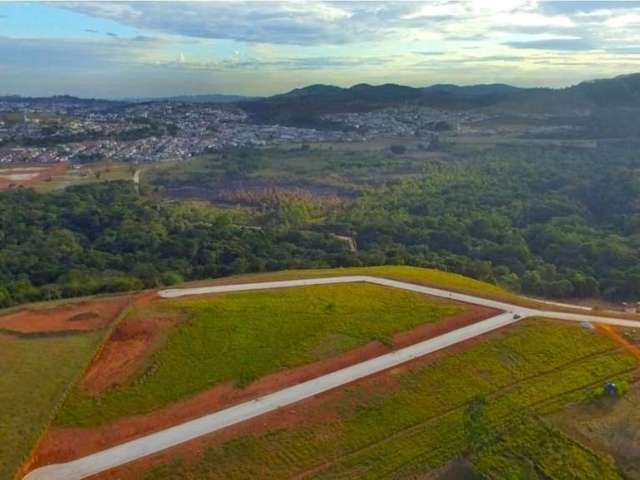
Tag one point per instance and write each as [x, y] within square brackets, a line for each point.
[36, 373]
[57, 176]
[43, 351]
[30, 175]
[243, 336]
[610, 424]
[421, 276]
[335, 171]
[91, 173]
[584, 368]
[65, 318]
[410, 421]
[34, 369]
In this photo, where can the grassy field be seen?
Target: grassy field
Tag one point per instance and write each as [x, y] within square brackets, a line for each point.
[97, 172]
[243, 336]
[36, 374]
[420, 420]
[420, 276]
[608, 424]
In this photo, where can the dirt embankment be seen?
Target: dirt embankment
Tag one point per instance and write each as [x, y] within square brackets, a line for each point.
[68, 318]
[64, 444]
[123, 354]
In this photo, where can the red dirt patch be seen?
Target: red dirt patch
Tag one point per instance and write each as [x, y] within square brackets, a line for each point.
[615, 335]
[127, 348]
[72, 317]
[64, 444]
[28, 175]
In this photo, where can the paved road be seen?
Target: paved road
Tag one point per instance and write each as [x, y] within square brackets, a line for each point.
[564, 305]
[156, 442]
[436, 292]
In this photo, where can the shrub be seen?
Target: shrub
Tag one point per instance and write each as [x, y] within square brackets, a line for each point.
[398, 149]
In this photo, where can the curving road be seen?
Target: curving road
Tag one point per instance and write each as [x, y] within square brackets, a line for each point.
[156, 442]
[435, 292]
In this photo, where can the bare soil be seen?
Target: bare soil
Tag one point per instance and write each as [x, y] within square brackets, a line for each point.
[73, 317]
[30, 175]
[124, 353]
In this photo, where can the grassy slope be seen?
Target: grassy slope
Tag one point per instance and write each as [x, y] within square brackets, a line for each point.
[402, 432]
[243, 336]
[421, 276]
[418, 275]
[35, 374]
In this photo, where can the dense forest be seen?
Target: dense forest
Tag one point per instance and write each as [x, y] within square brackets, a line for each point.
[550, 221]
[105, 238]
[543, 220]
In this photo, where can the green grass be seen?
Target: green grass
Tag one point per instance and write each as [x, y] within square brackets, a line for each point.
[610, 424]
[243, 336]
[380, 431]
[421, 276]
[532, 449]
[35, 375]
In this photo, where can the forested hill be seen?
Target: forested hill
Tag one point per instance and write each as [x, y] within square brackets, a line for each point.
[548, 221]
[303, 106]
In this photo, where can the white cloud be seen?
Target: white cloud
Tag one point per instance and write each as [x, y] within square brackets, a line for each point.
[625, 20]
[344, 41]
[437, 10]
[601, 13]
[285, 22]
[526, 19]
[480, 7]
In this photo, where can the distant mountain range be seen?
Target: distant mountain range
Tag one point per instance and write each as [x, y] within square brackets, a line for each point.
[304, 106]
[618, 90]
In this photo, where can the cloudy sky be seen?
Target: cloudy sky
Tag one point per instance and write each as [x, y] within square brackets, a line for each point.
[121, 49]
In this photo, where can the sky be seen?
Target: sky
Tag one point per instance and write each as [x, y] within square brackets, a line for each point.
[150, 49]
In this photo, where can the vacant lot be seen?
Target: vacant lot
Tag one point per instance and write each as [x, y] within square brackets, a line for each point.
[608, 424]
[90, 173]
[36, 373]
[30, 175]
[44, 349]
[414, 419]
[241, 337]
[64, 318]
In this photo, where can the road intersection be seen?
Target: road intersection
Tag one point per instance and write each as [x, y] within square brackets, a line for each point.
[184, 432]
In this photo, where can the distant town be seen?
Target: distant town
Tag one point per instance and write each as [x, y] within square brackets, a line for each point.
[67, 129]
